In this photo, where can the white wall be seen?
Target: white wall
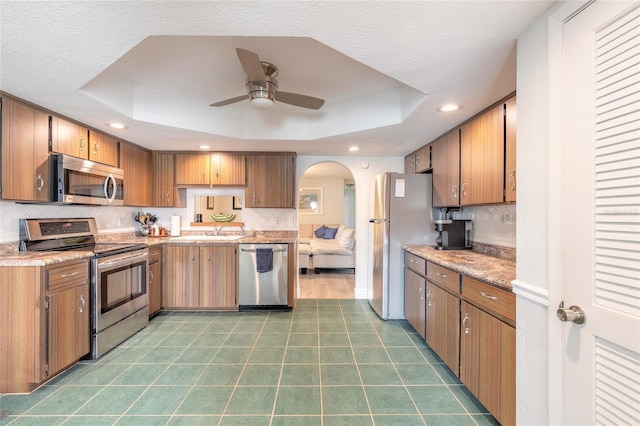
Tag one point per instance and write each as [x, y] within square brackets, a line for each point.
[332, 201]
[537, 287]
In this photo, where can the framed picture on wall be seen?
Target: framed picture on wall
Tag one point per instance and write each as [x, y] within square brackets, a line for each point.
[310, 200]
[209, 203]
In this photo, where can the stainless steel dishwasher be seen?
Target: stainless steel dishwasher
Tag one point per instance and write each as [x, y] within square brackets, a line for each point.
[264, 277]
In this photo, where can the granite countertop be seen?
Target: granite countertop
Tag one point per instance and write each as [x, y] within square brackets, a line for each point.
[489, 269]
[10, 256]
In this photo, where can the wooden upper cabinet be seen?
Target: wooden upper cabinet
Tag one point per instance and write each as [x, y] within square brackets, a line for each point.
[103, 148]
[210, 169]
[25, 152]
[228, 169]
[136, 163]
[164, 179]
[410, 163]
[270, 181]
[482, 158]
[69, 138]
[510, 150]
[423, 159]
[446, 170]
[193, 169]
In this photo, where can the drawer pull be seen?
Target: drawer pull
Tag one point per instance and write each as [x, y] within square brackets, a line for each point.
[441, 275]
[488, 296]
[73, 274]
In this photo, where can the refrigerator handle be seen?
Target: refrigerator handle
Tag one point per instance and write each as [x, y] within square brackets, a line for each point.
[378, 220]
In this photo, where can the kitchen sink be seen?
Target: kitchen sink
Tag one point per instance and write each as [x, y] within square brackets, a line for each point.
[209, 237]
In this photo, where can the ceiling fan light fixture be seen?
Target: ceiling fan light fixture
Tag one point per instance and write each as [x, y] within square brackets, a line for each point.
[262, 102]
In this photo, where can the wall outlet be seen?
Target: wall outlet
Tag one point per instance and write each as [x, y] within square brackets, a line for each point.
[508, 218]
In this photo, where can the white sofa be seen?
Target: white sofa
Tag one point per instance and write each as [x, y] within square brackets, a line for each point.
[326, 253]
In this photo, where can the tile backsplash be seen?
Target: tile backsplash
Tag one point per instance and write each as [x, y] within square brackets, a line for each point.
[495, 225]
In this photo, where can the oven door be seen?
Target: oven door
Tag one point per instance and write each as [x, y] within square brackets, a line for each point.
[119, 287]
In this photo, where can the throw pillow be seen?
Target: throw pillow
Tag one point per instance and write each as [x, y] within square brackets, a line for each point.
[347, 238]
[330, 233]
[320, 231]
[341, 228]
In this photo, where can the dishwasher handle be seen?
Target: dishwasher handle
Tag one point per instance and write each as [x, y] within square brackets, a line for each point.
[254, 250]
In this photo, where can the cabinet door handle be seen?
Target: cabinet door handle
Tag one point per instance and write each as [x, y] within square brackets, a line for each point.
[95, 148]
[208, 258]
[465, 320]
[454, 191]
[203, 176]
[441, 275]
[512, 180]
[464, 189]
[40, 184]
[421, 292]
[429, 302]
[193, 258]
[488, 296]
[81, 307]
[150, 276]
[82, 144]
[217, 174]
[167, 196]
[73, 274]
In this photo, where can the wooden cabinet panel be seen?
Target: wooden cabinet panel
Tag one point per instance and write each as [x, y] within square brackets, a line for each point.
[22, 333]
[270, 181]
[83, 321]
[25, 152]
[414, 301]
[415, 263]
[62, 329]
[498, 302]
[410, 163]
[193, 169]
[482, 158]
[443, 331]
[510, 150]
[444, 277]
[446, 170]
[155, 279]
[228, 169]
[69, 138]
[164, 180]
[103, 148]
[181, 278]
[487, 361]
[201, 277]
[218, 276]
[423, 159]
[136, 163]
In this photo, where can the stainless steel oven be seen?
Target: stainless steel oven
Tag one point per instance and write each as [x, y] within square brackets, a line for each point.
[119, 301]
[119, 276]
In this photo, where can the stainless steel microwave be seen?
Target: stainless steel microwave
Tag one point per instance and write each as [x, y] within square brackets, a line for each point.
[79, 181]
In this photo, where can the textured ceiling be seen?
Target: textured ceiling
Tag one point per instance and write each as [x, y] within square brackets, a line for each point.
[390, 65]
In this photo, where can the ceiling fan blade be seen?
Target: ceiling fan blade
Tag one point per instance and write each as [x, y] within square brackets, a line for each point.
[296, 99]
[230, 101]
[251, 64]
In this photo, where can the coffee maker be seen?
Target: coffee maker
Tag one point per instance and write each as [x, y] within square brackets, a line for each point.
[454, 234]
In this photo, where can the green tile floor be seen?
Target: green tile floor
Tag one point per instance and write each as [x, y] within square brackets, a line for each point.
[330, 362]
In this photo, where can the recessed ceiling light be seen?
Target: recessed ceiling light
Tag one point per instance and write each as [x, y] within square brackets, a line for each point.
[204, 147]
[449, 108]
[116, 125]
[354, 149]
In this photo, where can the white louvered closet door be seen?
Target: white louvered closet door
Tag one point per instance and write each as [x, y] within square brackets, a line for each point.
[601, 213]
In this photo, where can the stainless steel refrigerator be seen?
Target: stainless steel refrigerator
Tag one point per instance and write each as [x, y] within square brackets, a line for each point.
[401, 215]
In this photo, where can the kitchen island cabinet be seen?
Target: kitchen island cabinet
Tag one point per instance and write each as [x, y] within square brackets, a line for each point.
[44, 313]
[25, 152]
[200, 277]
[271, 181]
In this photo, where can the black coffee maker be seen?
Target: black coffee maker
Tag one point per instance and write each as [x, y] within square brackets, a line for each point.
[454, 234]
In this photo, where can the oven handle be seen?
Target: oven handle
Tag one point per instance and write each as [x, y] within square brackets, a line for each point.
[122, 260]
[114, 187]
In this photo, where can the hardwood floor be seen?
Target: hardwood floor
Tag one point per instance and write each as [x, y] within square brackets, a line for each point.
[327, 285]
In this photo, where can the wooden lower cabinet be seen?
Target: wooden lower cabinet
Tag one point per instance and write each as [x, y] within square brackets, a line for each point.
[44, 313]
[487, 361]
[414, 303]
[200, 277]
[155, 279]
[443, 331]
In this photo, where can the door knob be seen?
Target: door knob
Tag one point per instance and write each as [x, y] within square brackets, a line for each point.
[572, 313]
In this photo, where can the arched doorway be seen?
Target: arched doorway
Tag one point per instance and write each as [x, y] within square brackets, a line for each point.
[327, 198]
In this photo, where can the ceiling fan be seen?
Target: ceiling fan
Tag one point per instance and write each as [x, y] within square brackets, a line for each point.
[262, 86]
